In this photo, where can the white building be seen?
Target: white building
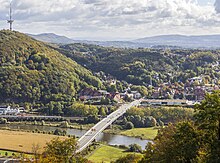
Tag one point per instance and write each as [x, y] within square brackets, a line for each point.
[169, 102]
[9, 111]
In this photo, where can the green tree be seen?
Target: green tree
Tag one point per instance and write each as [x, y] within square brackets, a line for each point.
[130, 158]
[102, 111]
[135, 148]
[208, 120]
[129, 125]
[175, 143]
[58, 151]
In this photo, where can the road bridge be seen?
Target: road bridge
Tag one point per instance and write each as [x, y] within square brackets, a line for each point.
[91, 134]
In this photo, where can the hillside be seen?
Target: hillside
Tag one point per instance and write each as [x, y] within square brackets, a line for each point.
[146, 66]
[32, 72]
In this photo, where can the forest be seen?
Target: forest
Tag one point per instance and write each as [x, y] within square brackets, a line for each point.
[34, 75]
[146, 66]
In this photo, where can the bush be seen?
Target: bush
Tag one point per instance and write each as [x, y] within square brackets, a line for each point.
[3, 121]
[64, 124]
[129, 125]
[135, 148]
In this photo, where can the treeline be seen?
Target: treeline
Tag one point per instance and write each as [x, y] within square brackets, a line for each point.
[141, 117]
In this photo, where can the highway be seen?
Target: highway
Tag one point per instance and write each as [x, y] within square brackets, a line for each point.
[91, 134]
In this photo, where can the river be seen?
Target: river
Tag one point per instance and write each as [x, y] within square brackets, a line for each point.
[110, 139]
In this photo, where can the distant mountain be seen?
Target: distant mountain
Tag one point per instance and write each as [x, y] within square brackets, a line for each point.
[52, 38]
[163, 41]
[203, 41]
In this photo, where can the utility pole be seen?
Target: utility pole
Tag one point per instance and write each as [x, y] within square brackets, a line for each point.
[10, 21]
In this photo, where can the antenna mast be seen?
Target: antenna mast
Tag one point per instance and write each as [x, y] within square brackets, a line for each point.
[10, 21]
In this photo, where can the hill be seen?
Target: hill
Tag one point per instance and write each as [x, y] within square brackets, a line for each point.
[157, 42]
[52, 38]
[146, 66]
[203, 41]
[33, 72]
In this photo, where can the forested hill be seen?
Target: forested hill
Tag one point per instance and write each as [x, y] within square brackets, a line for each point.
[146, 66]
[32, 72]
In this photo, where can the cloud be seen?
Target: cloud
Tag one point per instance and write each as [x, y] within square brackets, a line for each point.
[217, 6]
[123, 17]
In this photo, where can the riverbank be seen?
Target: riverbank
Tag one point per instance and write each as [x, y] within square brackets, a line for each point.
[142, 133]
[107, 154]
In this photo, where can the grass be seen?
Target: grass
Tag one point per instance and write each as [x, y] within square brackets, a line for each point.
[9, 153]
[13, 154]
[107, 154]
[23, 141]
[143, 133]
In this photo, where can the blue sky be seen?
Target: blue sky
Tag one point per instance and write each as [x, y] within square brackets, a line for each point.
[205, 2]
[113, 19]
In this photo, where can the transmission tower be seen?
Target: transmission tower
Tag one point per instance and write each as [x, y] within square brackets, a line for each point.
[10, 21]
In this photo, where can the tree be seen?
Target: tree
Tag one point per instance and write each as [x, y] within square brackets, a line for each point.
[129, 125]
[58, 151]
[102, 111]
[36, 151]
[153, 122]
[208, 120]
[135, 148]
[175, 143]
[130, 158]
[3, 121]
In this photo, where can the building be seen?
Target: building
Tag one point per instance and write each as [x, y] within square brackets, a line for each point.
[9, 111]
[90, 94]
[168, 102]
[195, 79]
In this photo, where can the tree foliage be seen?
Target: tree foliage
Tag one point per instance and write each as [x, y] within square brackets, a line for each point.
[32, 72]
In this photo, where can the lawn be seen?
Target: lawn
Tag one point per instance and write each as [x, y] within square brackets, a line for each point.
[23, 141]
[107, 154]
[144, 133]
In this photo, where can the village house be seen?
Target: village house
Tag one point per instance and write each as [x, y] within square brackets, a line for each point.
[90, 94]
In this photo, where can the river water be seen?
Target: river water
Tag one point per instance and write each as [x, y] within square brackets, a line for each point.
[110, 139]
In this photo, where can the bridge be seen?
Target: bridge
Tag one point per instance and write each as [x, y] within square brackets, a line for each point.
[91, 134]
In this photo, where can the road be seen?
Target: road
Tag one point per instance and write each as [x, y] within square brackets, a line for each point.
[90, 135]
[9, 160]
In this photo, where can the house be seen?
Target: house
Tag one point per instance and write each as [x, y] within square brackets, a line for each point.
[115, 97]
[136, 94]
[195, 79]
[90, 94]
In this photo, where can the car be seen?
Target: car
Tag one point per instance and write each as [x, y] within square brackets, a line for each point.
[93, 129]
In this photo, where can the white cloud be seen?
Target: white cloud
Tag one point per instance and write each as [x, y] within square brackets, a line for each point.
[113, 18]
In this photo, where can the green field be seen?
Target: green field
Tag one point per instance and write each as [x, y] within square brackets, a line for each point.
[12, 154]
[9, 153]
[107, 154]
[144, 133]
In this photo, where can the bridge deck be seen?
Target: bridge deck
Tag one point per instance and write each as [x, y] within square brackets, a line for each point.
[91, 134]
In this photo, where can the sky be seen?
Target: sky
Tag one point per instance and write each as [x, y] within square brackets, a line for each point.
[113, 19]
